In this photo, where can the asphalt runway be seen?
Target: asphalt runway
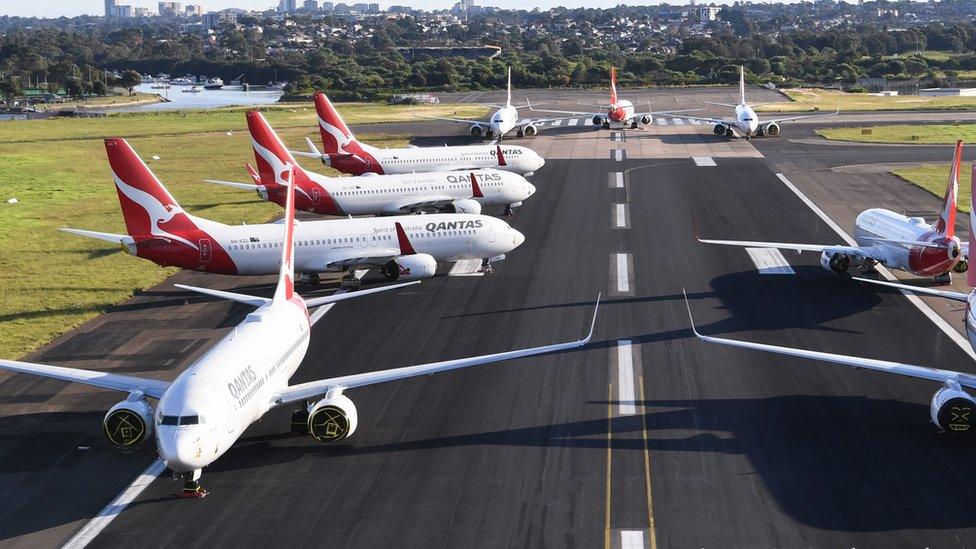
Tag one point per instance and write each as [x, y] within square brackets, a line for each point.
[647, 434]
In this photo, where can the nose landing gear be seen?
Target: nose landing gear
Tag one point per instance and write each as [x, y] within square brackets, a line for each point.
[486, 266]
[191, 485]
[943, 279]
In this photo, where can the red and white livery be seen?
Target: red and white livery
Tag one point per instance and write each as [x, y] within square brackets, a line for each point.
[161, 231]
[893, 240]
[443, 191]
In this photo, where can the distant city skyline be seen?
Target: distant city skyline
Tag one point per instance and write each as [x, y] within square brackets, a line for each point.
[72, 8]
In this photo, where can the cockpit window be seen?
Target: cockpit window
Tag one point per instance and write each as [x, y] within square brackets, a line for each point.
[170, 420]
[181, 420]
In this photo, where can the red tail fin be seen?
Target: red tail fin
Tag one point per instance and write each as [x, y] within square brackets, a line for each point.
[336, 136]
[946, 224]
[270, 153]
[971, 273]
[501, 157]
[147, 207]
[406, 248]
[613, 85]
[286, 277]
[475, 188]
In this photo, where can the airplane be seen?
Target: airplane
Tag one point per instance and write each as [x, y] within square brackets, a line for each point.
[969, 299]
[893, 240]
[618, 110]
[746, 121]
[205, 410]
[502, 121]
[402, 247]
[952, 409]
[343, 152]
[397, 194]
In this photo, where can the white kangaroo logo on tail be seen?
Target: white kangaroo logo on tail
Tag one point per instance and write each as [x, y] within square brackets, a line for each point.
[341, 139]
[277, 166]
[157, 212]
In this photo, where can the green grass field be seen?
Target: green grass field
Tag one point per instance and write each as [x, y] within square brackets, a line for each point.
[904, 133]
[52, 281]
[934, 177]
[807, 99]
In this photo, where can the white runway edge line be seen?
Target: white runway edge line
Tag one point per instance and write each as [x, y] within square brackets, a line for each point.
[619, 216]
[955, 336]
[631, 539]
[95, 526]
[626, 401]
[111, 511]
[769, 261]
[704, 161]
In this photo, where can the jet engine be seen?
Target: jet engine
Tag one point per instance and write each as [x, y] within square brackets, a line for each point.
[530, 130]
[463, 205]
[332, 419]
[129, 423]
[836, 262]
[597, 120]
[772, 128]
[719, 129]
[477, 130]
[953, 409]
[646, 119]
[410, 267]
[961, 266]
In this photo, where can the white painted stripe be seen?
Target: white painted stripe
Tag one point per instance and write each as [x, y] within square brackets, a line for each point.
[524, 121]
[678, 121]
[619, 180]
[620, 215]
[623, 276]
[694, 122]
[466, 267]
[618, 154]
[769, 261]
[703, 161]
[954, 335]
[616, 136]
[626, 401]
[95, 526]
[662, 121]
[556, 122]
[631, 539]
[572, 122]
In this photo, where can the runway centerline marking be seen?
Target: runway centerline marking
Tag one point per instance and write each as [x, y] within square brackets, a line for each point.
[621, 272]
[619, 154]
[631, 539]
[616, 136]
[955, 336]
[95, 526]
[769, 261]
[704, 161]
[620, 216]
[626, 395]
[617, 180]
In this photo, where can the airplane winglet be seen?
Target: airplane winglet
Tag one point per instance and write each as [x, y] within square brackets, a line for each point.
[475, 188]
[694, 228]
[500, 155]
[691, 317]
[596, 309]
[406, 248]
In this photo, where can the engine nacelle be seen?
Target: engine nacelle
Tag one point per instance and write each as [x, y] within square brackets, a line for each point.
[961, 266]
[530, 130]
[719, 129]
[646, 119]
[772, 128]
[129, 423]
[836, 262]
[332, 419]
[477, 130]
[463, 205]
[597, 120]
[410, 267]
[953, 409]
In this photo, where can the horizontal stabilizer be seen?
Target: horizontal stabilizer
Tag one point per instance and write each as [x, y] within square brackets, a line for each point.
[318, 301]
[956, 296]
[107, 237]
[234, 184]
[230, 296]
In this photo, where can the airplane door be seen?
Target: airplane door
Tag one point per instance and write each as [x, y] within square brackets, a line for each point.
[491, 234]
[206, 250]
[316, 195]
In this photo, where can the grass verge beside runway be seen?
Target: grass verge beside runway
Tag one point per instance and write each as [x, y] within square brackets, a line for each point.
[52, 281]
[933, 178]
[808, 99]
[929, 134]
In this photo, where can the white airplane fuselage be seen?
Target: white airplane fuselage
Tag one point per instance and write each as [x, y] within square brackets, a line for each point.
[746, 121]
[622, 112]
[503, 120]
[879, 223]
[520, 160]
[210, 404]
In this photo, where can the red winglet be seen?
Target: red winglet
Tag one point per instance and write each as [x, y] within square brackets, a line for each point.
[501, 157]
[406, 248]
[475, 189]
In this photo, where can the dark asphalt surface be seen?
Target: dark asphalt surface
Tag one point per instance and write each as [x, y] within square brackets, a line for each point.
[745, 449]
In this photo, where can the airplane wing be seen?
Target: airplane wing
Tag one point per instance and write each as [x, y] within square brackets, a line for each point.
[313, 389]
[430, 201]
[858, 251]
[922, 372]
[956, 296]
[705, 119]
[378, 258]
[790, 118]
[448, 119]
[150, 387]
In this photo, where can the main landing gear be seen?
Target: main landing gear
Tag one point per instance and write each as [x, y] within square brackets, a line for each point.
[191, 486]
[486, 266]
[509, 210]
[312, 278]
[633, 125]
[943, 279]
[349, 281]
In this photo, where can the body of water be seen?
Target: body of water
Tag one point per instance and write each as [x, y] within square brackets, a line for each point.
[229, 96]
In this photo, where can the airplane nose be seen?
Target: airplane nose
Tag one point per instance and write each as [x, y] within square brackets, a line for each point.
[517, 238]
[529, 189]
[180, 452]
[540, 162]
